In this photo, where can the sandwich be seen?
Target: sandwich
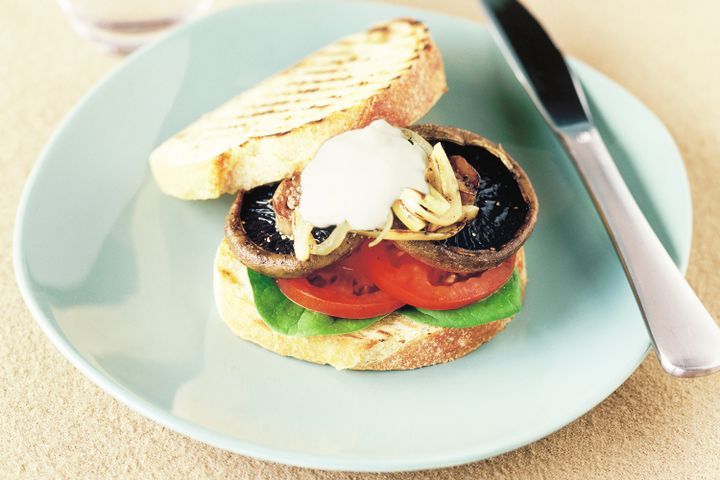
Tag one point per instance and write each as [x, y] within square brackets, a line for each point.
[357, 239]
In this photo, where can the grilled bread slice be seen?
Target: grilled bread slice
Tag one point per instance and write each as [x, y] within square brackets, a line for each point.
[392, 71]
[394, 343]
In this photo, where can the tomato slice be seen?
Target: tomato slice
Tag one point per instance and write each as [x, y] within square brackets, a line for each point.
[404, 277]
[343, 290]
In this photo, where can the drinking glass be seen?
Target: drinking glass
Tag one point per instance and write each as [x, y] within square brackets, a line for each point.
[121, 26]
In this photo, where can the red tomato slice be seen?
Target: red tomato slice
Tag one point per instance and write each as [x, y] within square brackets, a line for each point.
[343, 290]
[404, 277]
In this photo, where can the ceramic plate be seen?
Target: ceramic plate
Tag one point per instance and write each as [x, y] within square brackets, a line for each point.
[119, 276]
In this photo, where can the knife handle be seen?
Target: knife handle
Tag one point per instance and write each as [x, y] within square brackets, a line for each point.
[686, 337]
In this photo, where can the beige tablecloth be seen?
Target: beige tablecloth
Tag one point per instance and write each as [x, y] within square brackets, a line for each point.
[55, 423]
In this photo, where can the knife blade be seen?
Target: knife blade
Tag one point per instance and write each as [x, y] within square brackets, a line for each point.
[684, 334]
[538, 64]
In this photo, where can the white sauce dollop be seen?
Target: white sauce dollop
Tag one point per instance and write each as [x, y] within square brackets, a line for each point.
[357, 175]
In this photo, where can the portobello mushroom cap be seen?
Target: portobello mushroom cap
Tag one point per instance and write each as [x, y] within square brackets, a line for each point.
[254, 239]
[507, 202]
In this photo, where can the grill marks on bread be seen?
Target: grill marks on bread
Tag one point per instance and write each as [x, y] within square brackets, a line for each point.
[334, 78]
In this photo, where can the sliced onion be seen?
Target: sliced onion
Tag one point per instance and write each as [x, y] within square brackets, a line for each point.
[450, 188]
[333, 241]
[395, 234]
[409, 219]
[470, 212]
[432, 174]
[384, 232]
[418, 140]
[412, 199]
[447, 181]
[303, 241]
[435, 202]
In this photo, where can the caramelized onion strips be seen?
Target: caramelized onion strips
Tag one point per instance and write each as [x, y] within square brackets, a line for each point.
[435, 215]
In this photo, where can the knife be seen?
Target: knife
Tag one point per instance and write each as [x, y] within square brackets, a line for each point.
[685, 335]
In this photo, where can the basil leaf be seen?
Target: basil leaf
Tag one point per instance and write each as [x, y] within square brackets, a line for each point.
[284, 316]
[504, 303]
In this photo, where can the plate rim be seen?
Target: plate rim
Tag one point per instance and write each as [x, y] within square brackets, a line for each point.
[227, 442]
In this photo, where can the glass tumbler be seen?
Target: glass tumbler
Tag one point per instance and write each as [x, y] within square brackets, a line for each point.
[121, 26]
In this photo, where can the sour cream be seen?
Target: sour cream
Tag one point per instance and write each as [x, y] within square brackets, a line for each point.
[357, 175]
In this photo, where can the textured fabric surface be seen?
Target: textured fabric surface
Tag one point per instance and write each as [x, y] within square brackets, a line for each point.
[54, 423]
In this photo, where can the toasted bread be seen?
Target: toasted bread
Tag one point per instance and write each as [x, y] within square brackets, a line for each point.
[392, 71]
[394, 343]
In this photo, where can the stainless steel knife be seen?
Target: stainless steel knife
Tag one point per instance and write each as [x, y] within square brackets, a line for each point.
[685, 335]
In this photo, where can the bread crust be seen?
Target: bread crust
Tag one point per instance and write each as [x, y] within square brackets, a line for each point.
[189, 166]
[394, 343]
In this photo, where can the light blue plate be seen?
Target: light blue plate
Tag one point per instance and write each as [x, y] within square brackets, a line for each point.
[119, 275]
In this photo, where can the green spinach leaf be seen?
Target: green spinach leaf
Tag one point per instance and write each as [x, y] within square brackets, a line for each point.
[288, 318]
[504, 303]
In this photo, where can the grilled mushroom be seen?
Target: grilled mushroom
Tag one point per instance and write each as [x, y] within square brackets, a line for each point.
[507, 202]
[254, 238]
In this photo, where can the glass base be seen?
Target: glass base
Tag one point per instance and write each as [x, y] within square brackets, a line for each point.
[124, 36]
